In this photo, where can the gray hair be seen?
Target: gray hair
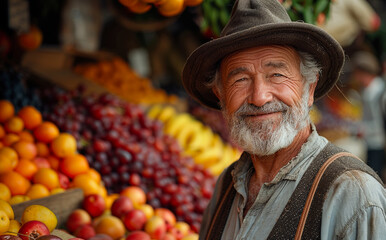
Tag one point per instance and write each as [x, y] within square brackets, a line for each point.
[309, 68]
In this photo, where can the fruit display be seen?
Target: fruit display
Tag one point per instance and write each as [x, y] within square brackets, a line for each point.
[167, 8]
[128, 217]
[118, 78]
[197, 139]
[127, 148]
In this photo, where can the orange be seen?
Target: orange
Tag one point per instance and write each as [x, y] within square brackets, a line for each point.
[2, 131]
[4, 222]
[26, 167]
[26, 136]
[64, 145]
[10, 139]
[128, 3]
[30, 40]
[37, 190]
[8, 159]
[47, 177]
[94, 174]
[25, 149]
[6, 207]
[171, 8]
[139, 7]
[46, 132]
[54, 162]
[6, 110]
[40, 213]
[18, 199]
[5, 193]
[111, 226]
[30, 116]
[18, 184]
[109, 199]
[14, 125]
[136, 194]
[86, 183]
[74, 165]
[42, 149]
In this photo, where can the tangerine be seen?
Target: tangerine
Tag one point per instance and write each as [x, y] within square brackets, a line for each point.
[26, 168]
[14, 125]
[2, 132]
[74, 165]
[171, 8]
[30, 116]
[139, 7]
[26, 136]
[10, 139]
[5, 193]
[64, 145]
[17, 184]
[7, 110]
[94, 174]
[54, 162]
[37, 190]
[86, 183]
[42, 149]
[46, 132]
[110, 225]
[47, 177]
[40, 213]
[8, 159]
[25, 149]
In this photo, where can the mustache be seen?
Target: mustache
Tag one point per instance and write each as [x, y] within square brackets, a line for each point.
[270, 107]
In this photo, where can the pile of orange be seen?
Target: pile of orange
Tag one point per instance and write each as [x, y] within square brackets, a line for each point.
[120, 79]
[36, 158]
[167, 8]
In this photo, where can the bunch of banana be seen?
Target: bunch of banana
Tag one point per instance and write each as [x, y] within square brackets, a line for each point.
[198, 140]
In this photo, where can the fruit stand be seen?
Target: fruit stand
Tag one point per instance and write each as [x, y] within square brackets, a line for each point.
[91, 149]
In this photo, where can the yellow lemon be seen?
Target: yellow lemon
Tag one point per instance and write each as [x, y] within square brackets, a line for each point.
[40, 213]
[5, 193]
[14, 227]
[4, 222]
[18, 199]
[6, 207]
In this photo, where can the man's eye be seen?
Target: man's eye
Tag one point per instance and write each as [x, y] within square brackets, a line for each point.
[277, 75]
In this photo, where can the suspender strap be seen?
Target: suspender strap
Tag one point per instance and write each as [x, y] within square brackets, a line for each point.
[286, 226]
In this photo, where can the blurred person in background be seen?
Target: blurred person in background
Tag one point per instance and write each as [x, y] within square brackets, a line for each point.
[348, 20]
[366, 73]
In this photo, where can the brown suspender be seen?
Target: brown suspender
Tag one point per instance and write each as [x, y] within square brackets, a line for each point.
[310, 220]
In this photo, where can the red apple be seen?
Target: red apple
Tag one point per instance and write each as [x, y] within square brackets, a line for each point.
[101, 236]
[85, 232]
[155, 227]
[121, 206]
[77, 218]
[167, 215]
[135, 219]
[138, 235]
[32, 230]
[94, 204]
[169, 236]
[64, 181]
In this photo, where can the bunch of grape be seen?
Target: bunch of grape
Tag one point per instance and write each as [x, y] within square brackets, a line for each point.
[129, 149]
[14, 88]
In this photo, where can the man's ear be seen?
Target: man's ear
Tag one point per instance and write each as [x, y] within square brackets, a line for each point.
[312, 92]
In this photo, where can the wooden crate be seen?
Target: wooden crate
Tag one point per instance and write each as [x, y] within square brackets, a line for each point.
[61, 204]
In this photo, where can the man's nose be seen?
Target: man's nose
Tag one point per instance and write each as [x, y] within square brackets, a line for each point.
[260, 94]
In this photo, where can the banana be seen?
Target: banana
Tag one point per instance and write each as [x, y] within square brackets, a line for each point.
[166, 113]
[201, 139]
[184, 135]
[176, 123]
[208, 156]
[154, 111]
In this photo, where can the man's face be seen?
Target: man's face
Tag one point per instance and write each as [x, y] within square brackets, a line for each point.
[262, 98]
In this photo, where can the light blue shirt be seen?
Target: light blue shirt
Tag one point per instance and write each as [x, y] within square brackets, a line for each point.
[354, 208]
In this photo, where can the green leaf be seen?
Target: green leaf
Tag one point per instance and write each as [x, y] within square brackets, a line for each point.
[321, 6]
[224, 17]
[298, 7]
[308, 17]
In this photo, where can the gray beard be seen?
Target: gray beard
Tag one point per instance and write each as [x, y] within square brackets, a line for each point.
[267, 137]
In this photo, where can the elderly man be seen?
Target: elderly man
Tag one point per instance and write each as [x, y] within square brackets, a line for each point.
[264, 73]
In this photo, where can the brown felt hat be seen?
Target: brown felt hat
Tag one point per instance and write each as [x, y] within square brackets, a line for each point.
[257, 23]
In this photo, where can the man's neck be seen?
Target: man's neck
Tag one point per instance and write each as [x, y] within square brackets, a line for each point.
[266, 167]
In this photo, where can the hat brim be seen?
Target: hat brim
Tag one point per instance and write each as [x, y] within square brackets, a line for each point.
[201, 64]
